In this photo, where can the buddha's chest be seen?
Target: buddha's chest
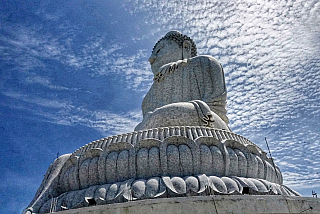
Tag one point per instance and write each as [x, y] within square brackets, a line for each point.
[180, 86]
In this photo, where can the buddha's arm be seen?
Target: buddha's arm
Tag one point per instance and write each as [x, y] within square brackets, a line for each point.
[169, 68]
[210, 79]
[213, 86]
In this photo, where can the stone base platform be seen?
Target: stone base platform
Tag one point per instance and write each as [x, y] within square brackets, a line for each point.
[216, 204]
[158, 163]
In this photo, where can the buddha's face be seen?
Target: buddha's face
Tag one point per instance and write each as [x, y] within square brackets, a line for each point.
[165, 52]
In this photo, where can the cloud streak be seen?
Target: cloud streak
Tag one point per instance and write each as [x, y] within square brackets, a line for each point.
[65, 113]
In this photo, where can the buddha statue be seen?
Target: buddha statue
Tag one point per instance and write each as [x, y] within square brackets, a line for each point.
[183, 146]
[188, 90]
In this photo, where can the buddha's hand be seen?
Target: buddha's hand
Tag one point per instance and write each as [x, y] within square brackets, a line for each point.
[183, 62]
[169, 68]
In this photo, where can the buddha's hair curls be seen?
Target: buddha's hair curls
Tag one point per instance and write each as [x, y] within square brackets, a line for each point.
[179, 38]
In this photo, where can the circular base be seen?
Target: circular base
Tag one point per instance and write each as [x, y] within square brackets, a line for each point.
[160, 162]
[215, 204]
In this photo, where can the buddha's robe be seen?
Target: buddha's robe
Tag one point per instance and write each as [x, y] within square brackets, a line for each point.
[199, 78]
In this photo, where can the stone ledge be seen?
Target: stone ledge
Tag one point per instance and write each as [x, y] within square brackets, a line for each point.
[218, 204]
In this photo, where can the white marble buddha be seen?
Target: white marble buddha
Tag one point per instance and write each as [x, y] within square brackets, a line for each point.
[188, 90]
[189, 151]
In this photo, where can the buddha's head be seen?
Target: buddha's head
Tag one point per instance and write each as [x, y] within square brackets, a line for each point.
[172, 47]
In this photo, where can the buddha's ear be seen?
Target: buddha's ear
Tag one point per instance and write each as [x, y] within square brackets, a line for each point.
[186, 49]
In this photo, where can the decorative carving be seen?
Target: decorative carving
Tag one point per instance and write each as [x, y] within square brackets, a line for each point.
[194, 151]
[166, 186]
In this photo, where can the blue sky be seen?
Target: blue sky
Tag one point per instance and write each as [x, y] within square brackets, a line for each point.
[74, 71]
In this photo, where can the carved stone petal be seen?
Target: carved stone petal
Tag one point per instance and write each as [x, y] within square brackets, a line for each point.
[192, 184]
[152, 187]
[138, 188]
[230, 184]
[218, 184]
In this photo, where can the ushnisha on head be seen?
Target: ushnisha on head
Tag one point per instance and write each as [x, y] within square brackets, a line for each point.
[172, 47]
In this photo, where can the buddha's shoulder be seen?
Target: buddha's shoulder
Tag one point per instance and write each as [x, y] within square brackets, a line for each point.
[204, 59]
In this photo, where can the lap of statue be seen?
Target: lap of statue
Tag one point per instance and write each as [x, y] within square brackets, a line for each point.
[193, 113]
